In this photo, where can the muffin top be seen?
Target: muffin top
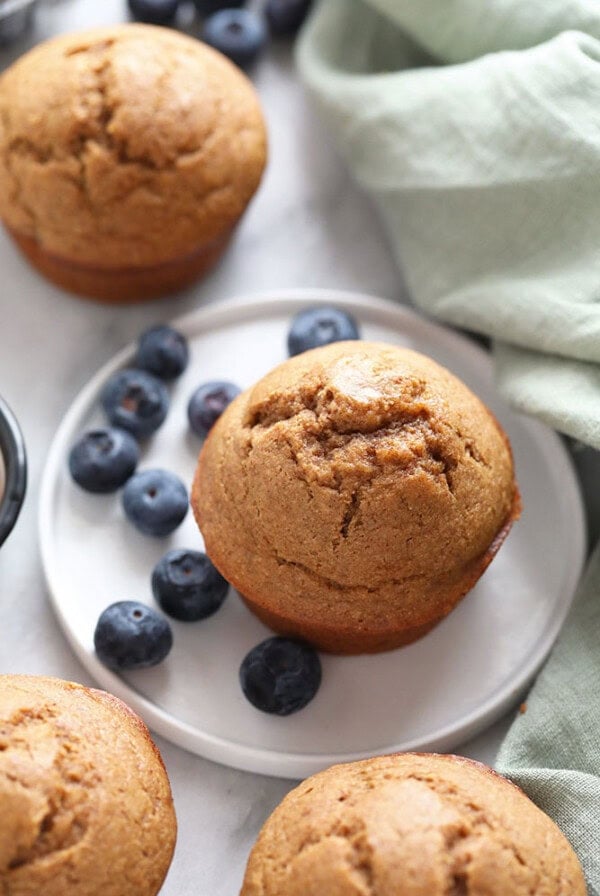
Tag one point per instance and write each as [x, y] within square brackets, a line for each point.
[85, 802]
[411, 825]
[127, 145]
[359, 478]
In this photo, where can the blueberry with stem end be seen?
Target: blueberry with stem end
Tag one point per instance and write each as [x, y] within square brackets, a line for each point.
[319, 326]
[187, 586]
[155, 501]
[102, 460]
[208, 402]
[237, 33]
[136, 401]
[130, 635]
[163, 352]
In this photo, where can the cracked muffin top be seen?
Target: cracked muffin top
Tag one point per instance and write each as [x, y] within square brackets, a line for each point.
[128, 145]
[85, 802]
[411, 825]
[355, 494]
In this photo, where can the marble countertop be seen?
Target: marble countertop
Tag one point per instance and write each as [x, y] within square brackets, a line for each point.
[308, 226]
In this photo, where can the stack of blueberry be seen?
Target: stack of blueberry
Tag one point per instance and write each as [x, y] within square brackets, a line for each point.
[239, 33]
[279, 676]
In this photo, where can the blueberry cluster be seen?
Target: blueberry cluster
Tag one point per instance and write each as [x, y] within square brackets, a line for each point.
[279, 676]
[136, 402]
[237, 32]
[186, 585]
[133, 635]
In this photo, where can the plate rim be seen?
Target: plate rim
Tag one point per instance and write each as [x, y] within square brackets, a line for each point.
[291, 765]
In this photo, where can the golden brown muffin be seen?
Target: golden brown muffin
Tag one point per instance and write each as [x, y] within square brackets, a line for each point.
[127, 156]
[85, 802]
[354, 495]
[411, 825]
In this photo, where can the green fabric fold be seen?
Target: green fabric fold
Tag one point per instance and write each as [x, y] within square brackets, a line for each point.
[552, 750]
[476, 129]
[486, 171]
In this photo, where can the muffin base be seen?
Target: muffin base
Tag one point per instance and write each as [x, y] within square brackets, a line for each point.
[121, 284]
[352, 641]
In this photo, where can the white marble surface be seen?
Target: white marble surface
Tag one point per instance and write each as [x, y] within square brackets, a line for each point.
[309, 226]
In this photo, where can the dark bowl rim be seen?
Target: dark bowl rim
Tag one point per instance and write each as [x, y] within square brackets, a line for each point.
[14, 6]
[12, 447]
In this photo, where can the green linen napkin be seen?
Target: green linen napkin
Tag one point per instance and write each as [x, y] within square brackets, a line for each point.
[552, 751]
[476, 128]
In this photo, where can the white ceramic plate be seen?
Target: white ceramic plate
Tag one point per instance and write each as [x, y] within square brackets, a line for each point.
[430, 696]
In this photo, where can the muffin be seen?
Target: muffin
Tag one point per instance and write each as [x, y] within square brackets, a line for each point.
[127, 156]
[85, 802]
[411, 825]
[354, 495]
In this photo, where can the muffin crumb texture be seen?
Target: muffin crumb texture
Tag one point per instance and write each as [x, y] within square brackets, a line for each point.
[355, 494]
[126, 146]
[85, 802]
[411, 825]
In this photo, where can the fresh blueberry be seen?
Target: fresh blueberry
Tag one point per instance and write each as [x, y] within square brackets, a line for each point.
[207, 7]
[208, 403]
[130, 635]
[237, 33]
[187, 585]
[320, 326]
[102, 460]
[154, 12]
[155, 501]
[136, 401]
[162, 351]
[286, 16]
[280, 676]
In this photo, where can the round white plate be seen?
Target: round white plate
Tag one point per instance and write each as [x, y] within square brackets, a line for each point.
[429, 696]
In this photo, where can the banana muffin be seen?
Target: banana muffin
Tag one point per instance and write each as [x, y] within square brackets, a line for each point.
[85, 802]
[411, 825]
[354, 495]
[127, 156]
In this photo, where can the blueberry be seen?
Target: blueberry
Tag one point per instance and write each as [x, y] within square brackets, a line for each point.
[155, 501]
[162, 351]
[187, 585]
[136, 401]
[130, 635]
[154, 12]
[320, 326]
[280, 676]
[237, 33]
[286, 16]
[207, 7]
[102, 460]
[208, 403]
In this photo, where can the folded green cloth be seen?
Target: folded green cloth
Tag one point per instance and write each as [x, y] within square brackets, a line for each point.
[552, 751]
[476, 128]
